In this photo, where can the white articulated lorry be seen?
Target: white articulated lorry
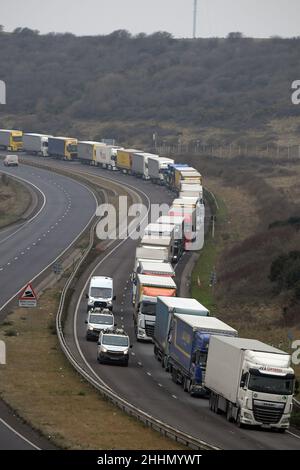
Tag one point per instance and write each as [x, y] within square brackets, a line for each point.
[157, 230]
[106, 156]
[153, 253]
[250, 381]
[148, 288]
[151, 268]
[160, 241]
[157, 167]
[191, 190]
[36, 144]
[139, 166]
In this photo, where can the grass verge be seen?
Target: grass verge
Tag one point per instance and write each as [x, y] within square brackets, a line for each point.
[14, 200]
[201, 286]
[43, 388]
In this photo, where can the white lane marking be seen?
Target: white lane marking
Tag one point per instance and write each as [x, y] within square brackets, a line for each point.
[174, 396]
[160, 385]
[32, 218]
[15, 258]
[62, 253]
[92, 273]
[292, 434]
[19, 435]
[149, 373]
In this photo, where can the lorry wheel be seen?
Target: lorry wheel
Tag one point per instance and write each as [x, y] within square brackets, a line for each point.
[174, 375]
[211, 398]
[229, 414]
[155, 352]
[238, 420]
[186, 385]
[165, 364]
[281, 430]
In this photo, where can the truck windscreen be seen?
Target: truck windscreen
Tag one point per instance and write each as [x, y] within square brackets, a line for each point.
[148, 308]
[101, 293]
[271, 384]
[17, 138]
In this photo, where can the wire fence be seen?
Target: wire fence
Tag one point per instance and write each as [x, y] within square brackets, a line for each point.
[272, 151]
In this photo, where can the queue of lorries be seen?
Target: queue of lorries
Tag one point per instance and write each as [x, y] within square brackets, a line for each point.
[251, 382]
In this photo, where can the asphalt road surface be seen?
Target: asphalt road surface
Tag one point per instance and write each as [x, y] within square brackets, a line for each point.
[25, 250]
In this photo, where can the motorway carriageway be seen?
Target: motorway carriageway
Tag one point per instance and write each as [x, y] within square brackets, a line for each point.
[27, 249]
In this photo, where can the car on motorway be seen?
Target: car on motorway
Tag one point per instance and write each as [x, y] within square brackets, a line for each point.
[100, 294]
[97, 321]
[113, 347]
[11, 160]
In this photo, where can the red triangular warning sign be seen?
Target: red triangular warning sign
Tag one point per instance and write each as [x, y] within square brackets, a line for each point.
[28, 293]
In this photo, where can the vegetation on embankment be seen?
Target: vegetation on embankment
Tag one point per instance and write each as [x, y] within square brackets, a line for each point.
[14, 200]
[129, 87]
[258, 236]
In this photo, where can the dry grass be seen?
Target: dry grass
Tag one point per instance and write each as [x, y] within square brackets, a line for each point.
[245, 248]
[42, 387]
[14, 201]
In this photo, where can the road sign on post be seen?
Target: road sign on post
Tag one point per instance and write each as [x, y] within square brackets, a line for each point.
[57, 268]
[28, 297]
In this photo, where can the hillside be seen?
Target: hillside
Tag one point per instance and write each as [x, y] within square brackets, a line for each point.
[129, 87]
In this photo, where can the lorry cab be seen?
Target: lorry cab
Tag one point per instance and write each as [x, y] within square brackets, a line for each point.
[98, 320]
[11, 140]
[250, 381]
[100, 293]
[71, 149]
[113, 346]
[147, 291]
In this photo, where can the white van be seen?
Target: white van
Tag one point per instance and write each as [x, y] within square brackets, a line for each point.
[99, 320]
[11, 160]
[100, 294]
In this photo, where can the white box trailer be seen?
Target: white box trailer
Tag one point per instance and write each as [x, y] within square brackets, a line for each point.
[36, 144]
[191, 190]
[154, 253]
[139, 165]
[166, 230]
[88, 151]
[157, 166]
[151, 268]
[250, 381]
[155, 268]
[148, 288]
[158, 241]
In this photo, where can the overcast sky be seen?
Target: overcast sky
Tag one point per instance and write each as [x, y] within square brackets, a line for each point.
[258, 18]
